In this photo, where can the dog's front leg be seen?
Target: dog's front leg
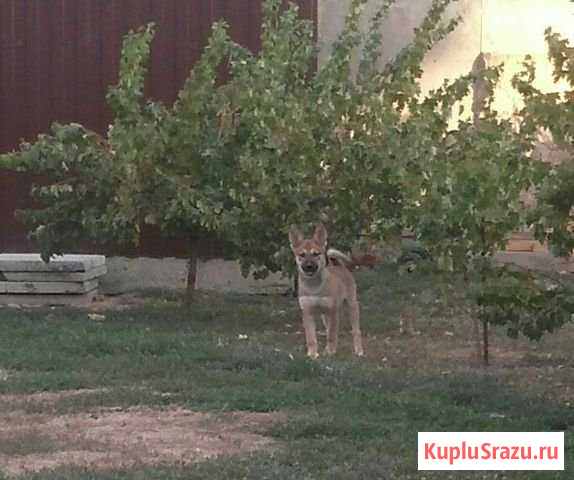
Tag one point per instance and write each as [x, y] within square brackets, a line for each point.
[310, 333]
[332, 331]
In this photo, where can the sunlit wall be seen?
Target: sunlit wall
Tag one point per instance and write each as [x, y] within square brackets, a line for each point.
[504, 30]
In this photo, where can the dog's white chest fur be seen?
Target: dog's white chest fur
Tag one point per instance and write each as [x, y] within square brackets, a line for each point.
[315, 302]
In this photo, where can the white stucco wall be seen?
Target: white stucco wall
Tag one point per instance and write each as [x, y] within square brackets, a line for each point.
[505, 30]
[446, 60]
[131, 274]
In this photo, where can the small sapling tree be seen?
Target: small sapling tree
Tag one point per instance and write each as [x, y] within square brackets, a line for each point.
[483, 206]
[553, 112]
[527, 302]
[464, 192]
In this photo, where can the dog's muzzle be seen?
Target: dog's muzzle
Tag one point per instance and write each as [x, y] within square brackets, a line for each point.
[309, 268]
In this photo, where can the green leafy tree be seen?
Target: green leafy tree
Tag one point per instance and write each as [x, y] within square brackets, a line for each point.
[94, 184]
[91, 180]
[154, 167]
[325, 143]
[470, 201]
[283, 141]
[489, 209]
[554, 113]
[280, 142]
[73, 159]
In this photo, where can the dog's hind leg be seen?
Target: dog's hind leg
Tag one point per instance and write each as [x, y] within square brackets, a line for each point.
[356, 327]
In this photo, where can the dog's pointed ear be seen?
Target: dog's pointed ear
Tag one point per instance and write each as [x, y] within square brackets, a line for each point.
[295, 236]
[320, 235]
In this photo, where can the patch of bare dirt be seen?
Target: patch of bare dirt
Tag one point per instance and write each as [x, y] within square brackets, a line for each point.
[118, 439]
[14, 400]
[499, 357]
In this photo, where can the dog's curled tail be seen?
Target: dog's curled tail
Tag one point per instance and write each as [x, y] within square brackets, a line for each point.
[339, 258]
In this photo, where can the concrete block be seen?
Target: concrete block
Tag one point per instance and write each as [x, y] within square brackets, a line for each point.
[53, 276]
[26, 300]
[25, 279]
[32, 262]
[39, 288]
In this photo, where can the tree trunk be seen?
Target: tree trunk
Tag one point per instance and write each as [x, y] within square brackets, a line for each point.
[475, 325]
[485, 352]
[191, 270]
[476, 335]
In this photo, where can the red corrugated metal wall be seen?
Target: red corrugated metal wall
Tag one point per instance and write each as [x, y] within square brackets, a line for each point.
[58, 57]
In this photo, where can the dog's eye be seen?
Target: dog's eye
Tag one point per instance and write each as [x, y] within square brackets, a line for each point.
[301, 255]
[315, 254]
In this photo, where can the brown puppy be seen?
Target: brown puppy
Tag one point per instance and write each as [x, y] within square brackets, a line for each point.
[324, 288]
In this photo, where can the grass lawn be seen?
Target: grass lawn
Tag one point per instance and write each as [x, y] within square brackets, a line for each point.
[70, 382]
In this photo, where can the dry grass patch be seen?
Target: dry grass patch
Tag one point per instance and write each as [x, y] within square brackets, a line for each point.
[118, 439]
[14, 400]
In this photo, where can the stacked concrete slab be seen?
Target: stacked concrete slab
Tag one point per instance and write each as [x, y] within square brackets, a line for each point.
[25, 279]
